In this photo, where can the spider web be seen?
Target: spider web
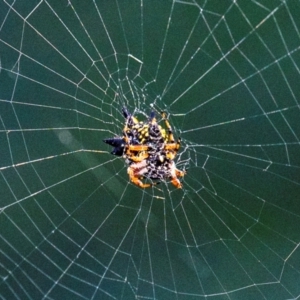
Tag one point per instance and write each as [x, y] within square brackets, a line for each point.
[73, 226]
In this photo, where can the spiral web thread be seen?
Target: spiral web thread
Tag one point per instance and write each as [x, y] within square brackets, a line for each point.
[226, 73]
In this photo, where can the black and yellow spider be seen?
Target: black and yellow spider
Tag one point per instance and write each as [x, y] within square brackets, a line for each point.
[148, 149]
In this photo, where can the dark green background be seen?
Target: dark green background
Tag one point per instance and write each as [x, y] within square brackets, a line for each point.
[72, 226]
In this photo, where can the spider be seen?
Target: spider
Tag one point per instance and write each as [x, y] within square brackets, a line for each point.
[154, 169]
[148, 149]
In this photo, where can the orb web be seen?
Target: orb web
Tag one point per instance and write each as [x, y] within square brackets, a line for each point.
[73, 226]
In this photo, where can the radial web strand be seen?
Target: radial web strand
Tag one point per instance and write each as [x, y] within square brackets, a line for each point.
[227, 75]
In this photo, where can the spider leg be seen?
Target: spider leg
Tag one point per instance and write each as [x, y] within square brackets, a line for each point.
[170, 131]
[176, 182]
[174, 173]
[136, 152]
[138, 147]
[173, 146]
[136, 180]
[172, 149]
[180, 173]
[138, 157]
